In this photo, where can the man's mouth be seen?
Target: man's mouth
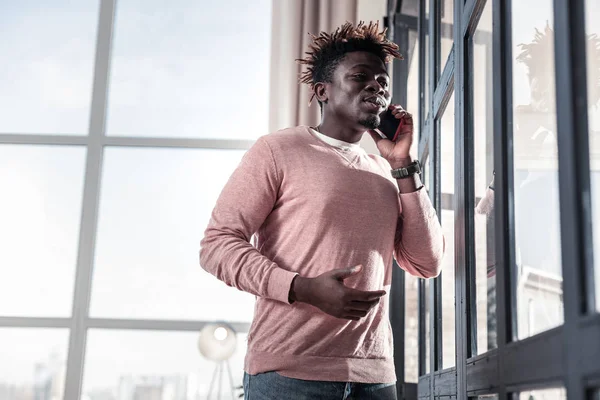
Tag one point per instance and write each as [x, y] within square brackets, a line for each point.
[375, 102]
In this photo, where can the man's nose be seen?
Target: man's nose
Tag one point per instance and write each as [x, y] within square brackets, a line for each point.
[376, 87]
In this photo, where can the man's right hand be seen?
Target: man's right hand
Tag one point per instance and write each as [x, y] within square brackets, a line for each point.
[328, 293]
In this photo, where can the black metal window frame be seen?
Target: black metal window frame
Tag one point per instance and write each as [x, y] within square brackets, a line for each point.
[567, 355]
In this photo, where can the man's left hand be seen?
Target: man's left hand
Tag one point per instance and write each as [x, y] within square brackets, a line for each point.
[397, 153]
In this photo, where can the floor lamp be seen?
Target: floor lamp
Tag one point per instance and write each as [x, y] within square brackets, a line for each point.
[217, 342]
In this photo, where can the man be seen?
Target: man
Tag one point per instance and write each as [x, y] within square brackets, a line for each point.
[328, 218]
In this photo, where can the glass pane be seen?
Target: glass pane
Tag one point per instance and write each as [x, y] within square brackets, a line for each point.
[412, 98]
[426, 283]
[46, 66]
[157, 365]
[485, 261]
[40, 210]
[148, 240]
[426, 175]
[446, 30]
[448, 298]
[33, 363]
[543, 394]
[447, 183]
[426, 62]
[411, 326]
[427, 326]
[488, 397]
[592, 14]
[410, 8]
[537, 225]
[162, 82]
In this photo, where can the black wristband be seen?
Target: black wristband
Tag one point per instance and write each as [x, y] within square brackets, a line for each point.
[408, 171]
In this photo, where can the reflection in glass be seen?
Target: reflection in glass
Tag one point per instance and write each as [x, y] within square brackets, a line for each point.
[177, 71]
[46, 66]
[446, 30]
[154, 207]
[485, 260]
[156, 365]
[592, 14]
[447, 184]
[40, 211]
[411, 329]
[32, 363]
[544, 394]
[537, 225]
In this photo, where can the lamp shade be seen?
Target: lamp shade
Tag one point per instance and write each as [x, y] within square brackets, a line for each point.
[217, 342]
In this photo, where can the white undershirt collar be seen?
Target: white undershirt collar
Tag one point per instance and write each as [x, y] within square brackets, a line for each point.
[340, 144]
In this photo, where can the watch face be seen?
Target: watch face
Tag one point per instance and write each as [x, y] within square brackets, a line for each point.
[418, 167]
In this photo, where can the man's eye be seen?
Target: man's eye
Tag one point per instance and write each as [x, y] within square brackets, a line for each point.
[384, 84]
[360, 76]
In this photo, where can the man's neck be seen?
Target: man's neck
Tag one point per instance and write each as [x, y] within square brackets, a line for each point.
[340, 131]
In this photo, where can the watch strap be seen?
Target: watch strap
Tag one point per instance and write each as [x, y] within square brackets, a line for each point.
[410, 170]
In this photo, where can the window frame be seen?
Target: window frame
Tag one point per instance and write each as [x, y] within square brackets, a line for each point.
[566, 355]
[79, 323]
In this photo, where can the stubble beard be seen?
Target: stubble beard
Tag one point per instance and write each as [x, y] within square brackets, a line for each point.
[371, 122]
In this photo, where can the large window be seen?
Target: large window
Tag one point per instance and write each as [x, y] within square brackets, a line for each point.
[47, 65]
[33, 363]
[156, 365]
[592, 14]
[448, 267]
[40, 210]
[484, 191]
[411, 326]
[514, 313]
[146, 263]
[427, 59]
[413, 100]
[121, 122]
[537, 226]
[174, 69]
[446, 12]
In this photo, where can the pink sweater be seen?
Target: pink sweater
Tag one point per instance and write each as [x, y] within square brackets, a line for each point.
[314, 209]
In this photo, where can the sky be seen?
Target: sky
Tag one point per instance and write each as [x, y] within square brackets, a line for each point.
[184, 71]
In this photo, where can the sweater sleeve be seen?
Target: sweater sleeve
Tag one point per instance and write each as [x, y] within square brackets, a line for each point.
[419, 242]
[245, 202]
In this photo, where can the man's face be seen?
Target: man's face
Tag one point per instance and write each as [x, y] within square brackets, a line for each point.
[359, 91]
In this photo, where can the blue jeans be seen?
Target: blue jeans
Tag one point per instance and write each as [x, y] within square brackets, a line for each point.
[272, 386]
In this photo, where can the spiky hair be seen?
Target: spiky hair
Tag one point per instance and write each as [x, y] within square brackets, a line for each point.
[535, 54]
[328, 49]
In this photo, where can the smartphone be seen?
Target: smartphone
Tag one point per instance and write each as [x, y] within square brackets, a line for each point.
[389, 127]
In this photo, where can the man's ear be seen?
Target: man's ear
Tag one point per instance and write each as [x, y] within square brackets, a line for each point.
[321, 91]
